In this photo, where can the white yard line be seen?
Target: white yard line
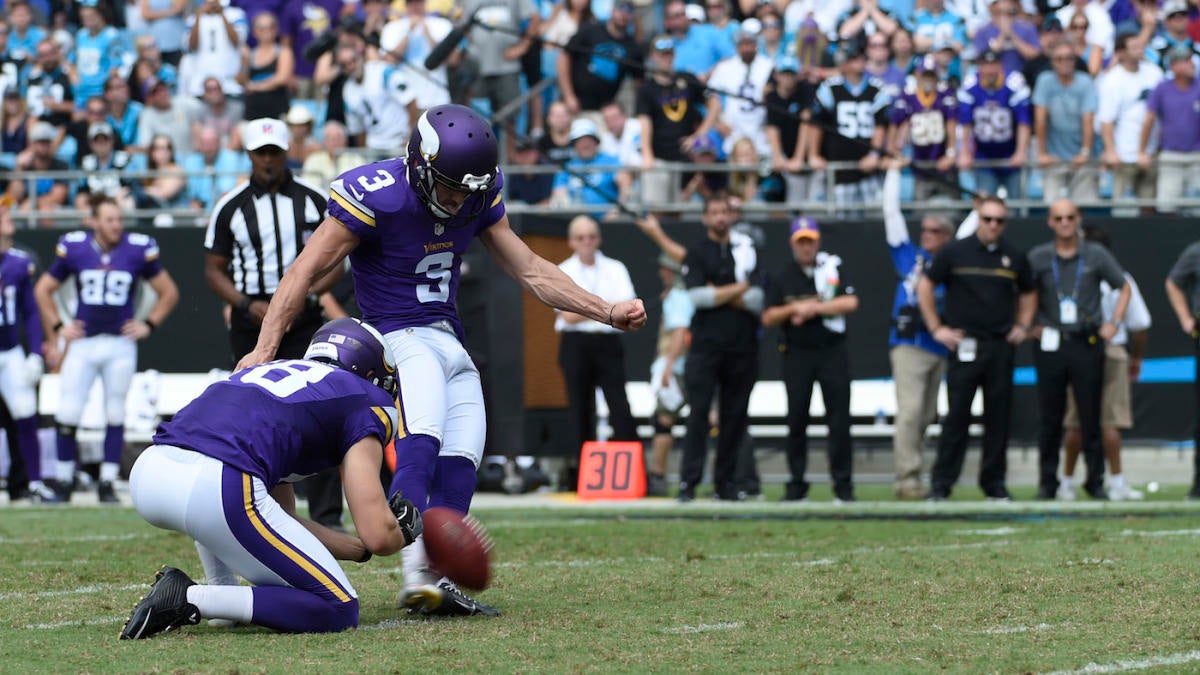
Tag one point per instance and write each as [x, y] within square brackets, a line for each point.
[1160, 533]
[103, 621]
[995, 532]
[705, 627]
[1009, 630]
[1134, 664]
[25, 541]
[82, 590]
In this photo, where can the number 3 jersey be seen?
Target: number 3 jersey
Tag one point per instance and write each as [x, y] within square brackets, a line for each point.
[105, 281]
[407, 266]
[283, 420]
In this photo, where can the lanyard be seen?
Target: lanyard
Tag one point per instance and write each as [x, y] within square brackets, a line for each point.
[1078, 274]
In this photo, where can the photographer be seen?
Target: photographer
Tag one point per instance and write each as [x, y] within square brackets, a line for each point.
[303, 22]
[328, 78]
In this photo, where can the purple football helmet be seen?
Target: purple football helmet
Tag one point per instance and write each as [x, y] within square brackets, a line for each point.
[356, 346]
[454, 146]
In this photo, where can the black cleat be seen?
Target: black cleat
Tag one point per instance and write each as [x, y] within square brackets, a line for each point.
[164, 608]
[686, 494]
[656, 486]
[107, 493]
[61, 488]
[1047, 492]
[444, 600]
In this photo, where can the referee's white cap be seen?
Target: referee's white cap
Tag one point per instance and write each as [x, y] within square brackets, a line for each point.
[265, 131]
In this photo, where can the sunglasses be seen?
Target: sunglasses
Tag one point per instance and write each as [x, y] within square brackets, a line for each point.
[1059, 219]
[933, 230]
[992, 219]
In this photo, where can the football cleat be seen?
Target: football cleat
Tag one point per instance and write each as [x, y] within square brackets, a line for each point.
[61, 488]
[107, 493]
[164, 608]
[40, 493]
[444, 599]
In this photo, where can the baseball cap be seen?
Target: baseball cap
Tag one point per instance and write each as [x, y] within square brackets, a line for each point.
[584, 127]
[694, 13]
[299, 114]
[927, 64]
[43, 131]
[150, 84]
[625, 6]
[663, 43]
[12, 92]
[1179, 53]
[1172, 7]
[670, 263]
[787, 64]
[1052, 25]
[749, 30]
[100, 129]
[265, 131]
[805, 228]
[989, 56]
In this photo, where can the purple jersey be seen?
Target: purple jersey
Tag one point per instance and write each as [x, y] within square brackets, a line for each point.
[105, 281]
[406, 266]
[927, 115]
[283, 420]
[994, 114]
[17, 305]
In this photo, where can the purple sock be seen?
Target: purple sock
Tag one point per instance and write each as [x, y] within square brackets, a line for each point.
[31, 449]
[453, 483]
[114, 441]
[68, 449]
[292, 610]
[415, 460]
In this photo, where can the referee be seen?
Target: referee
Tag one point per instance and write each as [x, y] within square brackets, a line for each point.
[989, 303]
[255, 232]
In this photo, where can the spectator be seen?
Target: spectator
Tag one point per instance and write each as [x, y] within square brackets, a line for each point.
[723, 284]
[164, 19]
[669, 109]
[737, 85]
[918, 361]
[710, 181]
[788, 103]
[555, 144]
[95, 111]
[924, 117]
[374, 15]
[934, 24]
[993, 110]
[1120, 368]
[1072, 334]
[696, 47]
[809, 300]
[904, 55]
[123, 113]
[744, 182]
[1183, 292]
[25, 36]
[10, 68]
[49, 194]
[1092, 55]
[1122, 92]
[214, 45]
[598, 59]
[773, 44]
[300, 21]
[1064, 110]
[16, 127]
[211, 155]
[864, 19]
[525, 186]
[267, 71]
[1098, 29]
[499, 52]
[590, 353]
[165, 188]
[301, 144]
[621, 136]
[103, 164]
[565, 19]
[990, 299]
[149, 64]
[218, 111]
[1015, 39]
[167, 115]
[880, 66]
[809, 18]
[380, 106]
[329, 79]
[1175, 105]
[99, 51]
[1052, 33]
[48, 90]
[585, 180]
[1174, 34]
[850, 120]
[408, 40]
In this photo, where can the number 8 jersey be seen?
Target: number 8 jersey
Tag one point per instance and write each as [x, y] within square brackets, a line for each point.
[407, 266]
[105, 281]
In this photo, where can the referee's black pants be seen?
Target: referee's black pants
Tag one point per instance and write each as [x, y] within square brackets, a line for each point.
[324, 489]
[830, 367]
[1196, 456]
[1079, 360]
[590, 360]
[735, 373]
[992, 370]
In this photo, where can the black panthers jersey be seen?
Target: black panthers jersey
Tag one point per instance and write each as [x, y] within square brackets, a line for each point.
[848, 115]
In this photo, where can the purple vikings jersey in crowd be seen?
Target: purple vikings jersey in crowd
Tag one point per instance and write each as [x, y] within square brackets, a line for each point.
[406, 267]
[995, 114]
[282, 420]
[17, 305]
[926, 115]
[105, 281]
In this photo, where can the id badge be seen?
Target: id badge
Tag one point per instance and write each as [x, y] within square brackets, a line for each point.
[966, 349]
[1051, 338]
[1068, 314]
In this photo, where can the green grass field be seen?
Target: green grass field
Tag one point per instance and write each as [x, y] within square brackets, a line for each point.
[877, 587]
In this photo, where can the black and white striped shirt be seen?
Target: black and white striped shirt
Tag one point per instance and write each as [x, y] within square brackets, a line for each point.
[261, 232]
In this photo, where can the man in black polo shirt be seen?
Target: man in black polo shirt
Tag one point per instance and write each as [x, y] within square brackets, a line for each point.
[809, 299]
[989, 304]
[1183, 290]
[1071, 336]
[722, 282]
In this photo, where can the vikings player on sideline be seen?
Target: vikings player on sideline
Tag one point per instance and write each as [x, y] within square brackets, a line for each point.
[221, 472]
[102, 339]
[20, 372]
[405, 223]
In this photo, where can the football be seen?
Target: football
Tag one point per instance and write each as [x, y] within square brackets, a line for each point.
[458, 547]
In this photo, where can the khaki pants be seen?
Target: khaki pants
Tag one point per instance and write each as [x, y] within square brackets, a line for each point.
[1063, 180]
[917, 374]
[1178, 176]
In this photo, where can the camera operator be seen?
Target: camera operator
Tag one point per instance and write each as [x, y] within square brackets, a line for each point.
[328, 77]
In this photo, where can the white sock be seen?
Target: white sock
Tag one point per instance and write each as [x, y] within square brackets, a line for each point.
[216, 572]
[109, 471]
[1116, 481]
[65, 471]
[416, 564]
[36, 486]
[235, 603]
[1068, 481]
